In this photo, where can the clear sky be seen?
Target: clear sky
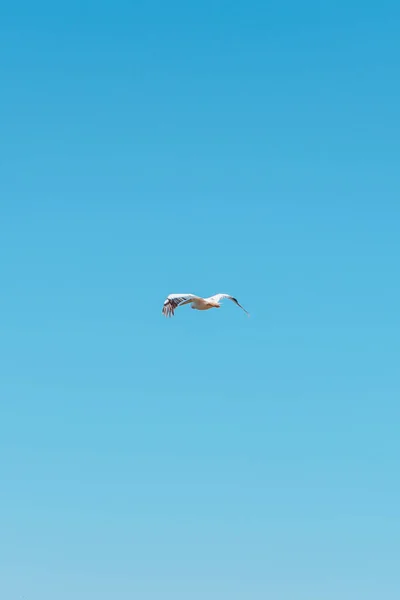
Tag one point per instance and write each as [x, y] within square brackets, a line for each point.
[241, 147]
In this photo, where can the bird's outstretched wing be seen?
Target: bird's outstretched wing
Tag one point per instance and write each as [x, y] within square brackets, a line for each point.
[218, 298]
[174, 300]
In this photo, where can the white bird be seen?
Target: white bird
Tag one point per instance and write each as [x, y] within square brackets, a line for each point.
[173, 301]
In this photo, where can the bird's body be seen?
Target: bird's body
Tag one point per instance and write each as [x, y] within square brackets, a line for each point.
[173, 301]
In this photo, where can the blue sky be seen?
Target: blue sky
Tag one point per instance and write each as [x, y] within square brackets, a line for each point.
[249, 148]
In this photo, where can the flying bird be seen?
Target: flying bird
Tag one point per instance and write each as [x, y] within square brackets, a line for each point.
[173, 301]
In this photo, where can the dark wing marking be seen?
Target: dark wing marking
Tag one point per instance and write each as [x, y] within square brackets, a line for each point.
[172, 302]
[218, 297]
[236, 302]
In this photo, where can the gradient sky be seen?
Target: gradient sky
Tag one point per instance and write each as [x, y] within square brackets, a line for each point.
[241, 147]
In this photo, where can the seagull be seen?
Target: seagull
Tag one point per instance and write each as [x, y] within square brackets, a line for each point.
[173, 301]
